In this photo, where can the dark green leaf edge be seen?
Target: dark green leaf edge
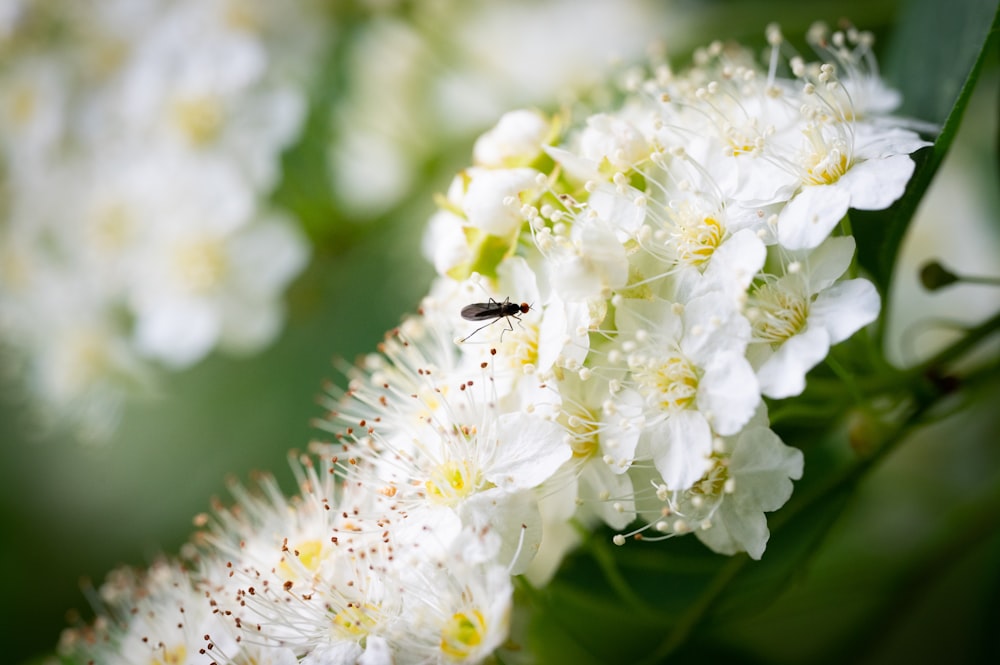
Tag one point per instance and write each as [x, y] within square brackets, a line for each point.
[880, 233]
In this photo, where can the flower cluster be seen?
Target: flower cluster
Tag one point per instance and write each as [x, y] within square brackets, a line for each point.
[633, 285]
[138, 144]
[679, 260]
[438, 73]
[315, 579]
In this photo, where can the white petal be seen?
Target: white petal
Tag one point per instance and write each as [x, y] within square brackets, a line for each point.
[484, 204]
[529, 451]
[845, 308]
[343, 652]
[377, 652]
[517, 137]
[712, 325]
[764, 467]
[875, 184]
[728, 390]
[576, 167]
[248, 326]
[681, 446]
[619, 510]
[733, 532]
[560, 538]
[784, 373]
[879, 142]
[444, 241]
[514, 516]
[178, 333]
[619, 211]
[809, 217]
[266, 255]
[829, 261]
[620, 435]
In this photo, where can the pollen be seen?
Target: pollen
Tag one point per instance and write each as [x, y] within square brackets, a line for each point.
[715, 481]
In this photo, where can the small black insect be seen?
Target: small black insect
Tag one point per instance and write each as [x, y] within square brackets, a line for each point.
[493, 311]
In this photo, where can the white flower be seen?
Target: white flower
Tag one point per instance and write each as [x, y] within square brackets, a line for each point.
[437, 439]
[197, 86]
[159, 615]
[209, 275]
[842, 170]
[585, 262]
[687, 363]
[614, 140]
[797, 316]
[750, 474]
[604, 436]
[851, 50]
[455, 613]
[516, 140]
[761, 469]
[492, 200]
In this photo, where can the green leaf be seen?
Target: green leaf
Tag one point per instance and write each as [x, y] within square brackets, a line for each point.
[934, 61]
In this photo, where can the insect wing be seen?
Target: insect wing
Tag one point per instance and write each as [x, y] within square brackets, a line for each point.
[482, 311]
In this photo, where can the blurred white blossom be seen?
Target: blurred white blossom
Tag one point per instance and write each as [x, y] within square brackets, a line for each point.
[449, 68]
[138, 149]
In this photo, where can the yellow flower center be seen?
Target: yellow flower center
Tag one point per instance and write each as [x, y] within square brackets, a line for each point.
[776, 314]
[826, 169]
[175, 656]
[240, 16]
[111, 228]
[23, 105]
[308, 553]
[828, 159]
[355, 620]
[583, 426]
[200, 264]
[713, 483]
[462, 634]
[520, 345]
[697, 239]
[451, 481]
[198, 118]
[673, 380]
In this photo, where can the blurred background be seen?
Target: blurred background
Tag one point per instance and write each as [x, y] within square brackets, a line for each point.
[311, 139]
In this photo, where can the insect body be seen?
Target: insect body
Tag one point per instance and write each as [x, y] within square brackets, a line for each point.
[493, 311]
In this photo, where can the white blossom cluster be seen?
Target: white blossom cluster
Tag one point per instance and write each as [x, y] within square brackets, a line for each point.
[438, 73]
[338, 574]
[139, 141]
[635, 283]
